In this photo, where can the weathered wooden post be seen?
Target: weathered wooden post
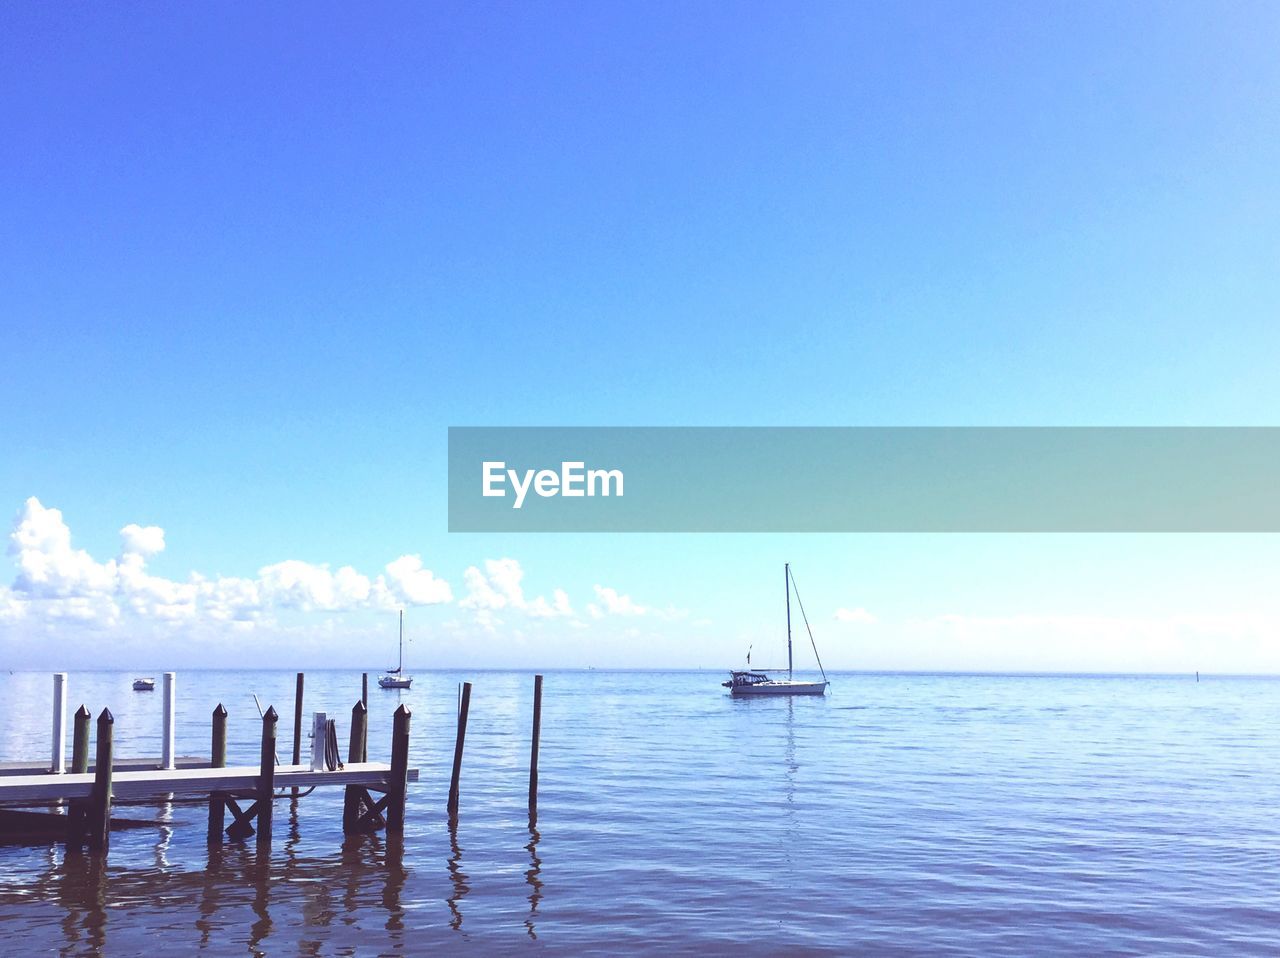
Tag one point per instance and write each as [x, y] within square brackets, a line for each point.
[533, 750]
[99, 811]
[352, 794]
[297, 720]
[267, 775]
[398, 780]
[218, 759]
[80, 741]
[79, 766]
[170, 713]
[59, 722]
[464, 706]
[364, 697]
[297, 724]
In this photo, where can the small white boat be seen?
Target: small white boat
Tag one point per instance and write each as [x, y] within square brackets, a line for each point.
[758, 683]
[144, 685]
[750, 682]
[395, 678]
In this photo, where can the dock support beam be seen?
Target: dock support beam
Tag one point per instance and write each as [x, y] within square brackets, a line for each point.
[218, 759]
[267, 776]
[99, 811]
[533, 749]
[464, 707]
[398, 780]
[170, 712]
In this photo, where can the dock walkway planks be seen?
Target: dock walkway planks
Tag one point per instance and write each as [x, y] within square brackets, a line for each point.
[154, 782]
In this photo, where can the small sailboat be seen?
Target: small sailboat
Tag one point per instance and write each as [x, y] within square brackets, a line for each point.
[395, 678]
[144, 685]
[758, 683]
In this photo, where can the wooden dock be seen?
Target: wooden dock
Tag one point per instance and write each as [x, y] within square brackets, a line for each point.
[248, 792]
[185, 782]
[41, 800]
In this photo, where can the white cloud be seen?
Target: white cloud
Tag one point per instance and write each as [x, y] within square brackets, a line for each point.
[859, 616]
[499, 587]
[47, 565]
[141, 540]
[58, 582]
[613, 602]
[539, 608]
[414, 585]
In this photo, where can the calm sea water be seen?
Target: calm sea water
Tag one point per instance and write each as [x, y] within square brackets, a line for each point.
[901, 814]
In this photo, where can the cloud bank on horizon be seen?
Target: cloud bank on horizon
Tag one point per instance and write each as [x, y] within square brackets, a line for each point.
[57, 583]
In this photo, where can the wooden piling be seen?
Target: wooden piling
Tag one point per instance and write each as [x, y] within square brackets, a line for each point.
[297, 723]
[351, 801]
[76, 809]
[533, 749]
[99, 810]
[218, 759]
[80, 741]
[398, 779]
[464, 706]
[364, 697]
[267, 775]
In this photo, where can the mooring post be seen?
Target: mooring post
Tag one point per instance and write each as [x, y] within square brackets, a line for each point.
[297, 720]
[464, 706]
[533, 750]
[59, 722]
[267, 775]
[398, 780]
[355, 751]
[218, 759]
[297, 724]
[79, 765]
[99, 811]
[170, 712]
[80, 741]
[364, 697]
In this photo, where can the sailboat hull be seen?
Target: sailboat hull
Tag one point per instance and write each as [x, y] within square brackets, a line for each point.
[780, 687]
[391, 682]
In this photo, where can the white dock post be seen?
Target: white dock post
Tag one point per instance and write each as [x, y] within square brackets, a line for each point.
[59, 722]
[170, 705]
[319, 736]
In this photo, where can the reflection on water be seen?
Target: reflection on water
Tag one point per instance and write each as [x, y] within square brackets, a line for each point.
[81, 890]
[243, 894]
[393, 888]
[457, 877]
[531, 876]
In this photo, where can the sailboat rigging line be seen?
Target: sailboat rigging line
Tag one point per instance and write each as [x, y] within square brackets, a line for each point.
[800, 603]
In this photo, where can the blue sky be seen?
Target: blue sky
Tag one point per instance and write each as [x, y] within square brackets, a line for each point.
[257, 260]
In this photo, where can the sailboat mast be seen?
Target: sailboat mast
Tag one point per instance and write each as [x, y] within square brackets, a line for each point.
[787, 572]
[401, 669]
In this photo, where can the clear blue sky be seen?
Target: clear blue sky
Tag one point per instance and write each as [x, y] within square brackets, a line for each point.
[256, 260]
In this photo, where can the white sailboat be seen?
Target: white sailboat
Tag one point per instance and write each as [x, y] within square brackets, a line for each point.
[759, 683]
[395, 678]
